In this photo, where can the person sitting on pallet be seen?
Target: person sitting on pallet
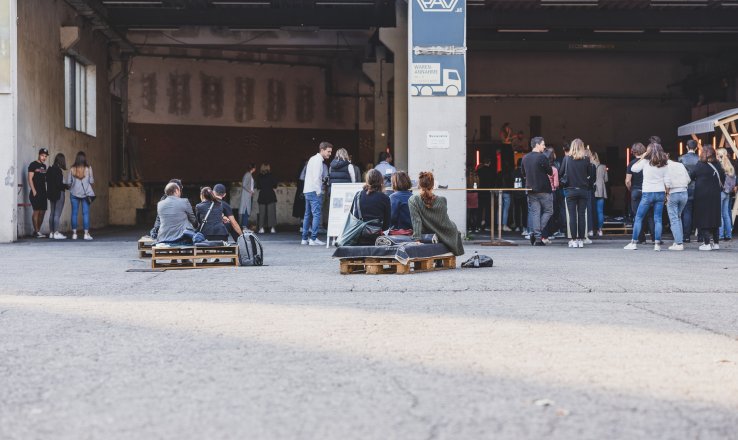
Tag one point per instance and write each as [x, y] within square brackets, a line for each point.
[177, 221]
[429, 214]
[219, 190]
[155, 230]
[209, 213]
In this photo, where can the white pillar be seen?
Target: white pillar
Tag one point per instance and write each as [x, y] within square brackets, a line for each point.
[8, 122]
[437, 114]
[395, 39]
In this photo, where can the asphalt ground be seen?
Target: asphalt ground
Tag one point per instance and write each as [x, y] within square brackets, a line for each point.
[551, 342]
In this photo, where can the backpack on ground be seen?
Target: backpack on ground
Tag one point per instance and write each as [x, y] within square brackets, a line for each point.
[250, 251]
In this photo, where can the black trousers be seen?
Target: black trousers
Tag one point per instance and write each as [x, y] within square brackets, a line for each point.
[576, 204]
[709, 233]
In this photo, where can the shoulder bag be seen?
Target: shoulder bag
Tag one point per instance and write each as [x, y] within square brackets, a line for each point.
[356, 230]
[205, 220]
[717, 174]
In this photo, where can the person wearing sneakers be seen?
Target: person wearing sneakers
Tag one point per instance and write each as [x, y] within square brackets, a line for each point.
[536, 170]
[653, 164]
[576, 175]
[266, 183]
[313, 192]
[219, 191]
[708, 177]
[55, 189]
[80, 180]
[676, 181]
[37, 182]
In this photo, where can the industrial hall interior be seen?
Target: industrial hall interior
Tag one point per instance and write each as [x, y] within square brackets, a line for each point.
[202, 90]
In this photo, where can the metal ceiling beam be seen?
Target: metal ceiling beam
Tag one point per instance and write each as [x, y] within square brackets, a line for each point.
[338, 17]
[93, 11]
[555, 19]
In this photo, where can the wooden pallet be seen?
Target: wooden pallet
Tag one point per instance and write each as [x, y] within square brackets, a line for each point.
[191, 257]
[144, 247]
[381, 266]
[617, 229]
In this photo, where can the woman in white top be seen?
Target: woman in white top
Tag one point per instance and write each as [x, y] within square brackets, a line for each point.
[653, 164]
[676, 181]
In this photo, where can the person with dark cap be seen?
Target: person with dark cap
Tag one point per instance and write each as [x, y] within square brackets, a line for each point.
[689, 160]
[219, 190]
[37, 182]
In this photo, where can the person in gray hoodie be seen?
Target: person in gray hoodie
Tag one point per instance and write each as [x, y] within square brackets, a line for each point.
[676, 181]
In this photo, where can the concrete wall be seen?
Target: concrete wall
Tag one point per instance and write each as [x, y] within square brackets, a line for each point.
[8, 103]
[41, 102]
[599, 122]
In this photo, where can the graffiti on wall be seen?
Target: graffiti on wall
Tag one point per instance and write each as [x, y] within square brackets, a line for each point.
[244, 110]
[148, 91]
[276, 100]
[305, 103]
[211, 95]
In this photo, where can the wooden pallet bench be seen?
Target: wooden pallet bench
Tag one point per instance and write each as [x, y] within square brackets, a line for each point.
[144, 247]
[193, 257]
[381, 266]
[619, 228]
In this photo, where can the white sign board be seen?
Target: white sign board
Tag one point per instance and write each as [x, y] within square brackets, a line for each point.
[342, 196]
[438, 139]
[426, 73]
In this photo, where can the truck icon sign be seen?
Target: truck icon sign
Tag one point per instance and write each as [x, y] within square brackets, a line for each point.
[429, 79]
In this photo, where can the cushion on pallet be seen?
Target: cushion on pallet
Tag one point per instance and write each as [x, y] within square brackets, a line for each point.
[402, 253]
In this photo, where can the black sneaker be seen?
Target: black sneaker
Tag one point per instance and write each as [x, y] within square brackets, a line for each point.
[532, 239]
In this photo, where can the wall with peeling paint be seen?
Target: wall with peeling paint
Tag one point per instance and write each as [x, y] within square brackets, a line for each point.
[40, 95]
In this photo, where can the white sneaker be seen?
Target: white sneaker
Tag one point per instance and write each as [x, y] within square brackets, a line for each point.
[676, 247]
[587, 240]
[591, 233]
[506, 228]
[261, 230]
[580, 244]
[631, 246]
[40, 235]
[705, 247]
[273, 231]
[526, 236]
[88, 236]
[715, 247]
[59, 236]
[316, 242]
[545, 240]
[573, 244]
[300, 229]
[74, 235]
[599, 233]
[657, 247]
[304, 242]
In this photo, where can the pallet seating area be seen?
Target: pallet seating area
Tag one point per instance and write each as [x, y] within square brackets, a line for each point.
[194, 257]
[144, 246]
[388, 265]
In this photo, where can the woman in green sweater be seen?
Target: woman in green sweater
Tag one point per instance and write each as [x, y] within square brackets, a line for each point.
[429, 214]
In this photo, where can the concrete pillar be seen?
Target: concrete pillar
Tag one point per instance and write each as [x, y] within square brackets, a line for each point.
[437, 98]
[395, 39]
[8, 122]
[381, 73]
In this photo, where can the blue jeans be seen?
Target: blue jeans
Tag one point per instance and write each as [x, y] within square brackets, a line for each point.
[313, 207]
[506, 199]
[648, 200]
[188, 237]
[687, 219]
[76, 201]
[675, 207]
[600, 212]
[726, 229]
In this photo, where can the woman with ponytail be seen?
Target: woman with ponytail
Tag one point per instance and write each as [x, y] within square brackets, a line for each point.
[429, 214]
[209, 213]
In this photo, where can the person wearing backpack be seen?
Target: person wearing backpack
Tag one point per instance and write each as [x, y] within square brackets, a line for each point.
[708, 177]
[726, 227]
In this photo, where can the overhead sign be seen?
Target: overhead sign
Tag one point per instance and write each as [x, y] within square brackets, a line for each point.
[438, 65]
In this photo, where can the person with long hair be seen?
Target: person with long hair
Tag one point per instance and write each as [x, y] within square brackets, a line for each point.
[80, 180]
[726, 228]
[429, 214]
[400, 212]
[55, 189]
[341, 170]
[266, 183]
[209, 214]
[576, 175]
[372, 203]
[708, 177]
[600, 191]
[653, 164]
[634, 183]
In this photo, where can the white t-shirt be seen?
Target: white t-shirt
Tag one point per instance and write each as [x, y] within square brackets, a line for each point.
[653, 178]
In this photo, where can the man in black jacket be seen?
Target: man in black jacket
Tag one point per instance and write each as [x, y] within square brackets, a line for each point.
[536, 169]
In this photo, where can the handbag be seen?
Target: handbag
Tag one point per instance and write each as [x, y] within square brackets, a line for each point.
[356, 229]
[89, 199]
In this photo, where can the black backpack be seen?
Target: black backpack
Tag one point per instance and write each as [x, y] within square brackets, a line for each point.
[250, 251]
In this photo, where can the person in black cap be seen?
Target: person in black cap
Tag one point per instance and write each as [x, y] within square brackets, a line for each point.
[231, 224]
[37, 182]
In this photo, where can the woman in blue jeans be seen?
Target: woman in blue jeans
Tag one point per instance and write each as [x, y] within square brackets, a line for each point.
[676, 180]
[653, 164]
[726, 228]
[80, 181]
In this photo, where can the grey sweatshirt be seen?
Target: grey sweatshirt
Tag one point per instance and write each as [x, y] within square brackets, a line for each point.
[81, 188]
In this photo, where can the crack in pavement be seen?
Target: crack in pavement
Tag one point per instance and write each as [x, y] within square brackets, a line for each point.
[683, 321]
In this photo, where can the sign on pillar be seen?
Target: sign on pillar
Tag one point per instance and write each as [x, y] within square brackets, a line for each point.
[437, 97]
